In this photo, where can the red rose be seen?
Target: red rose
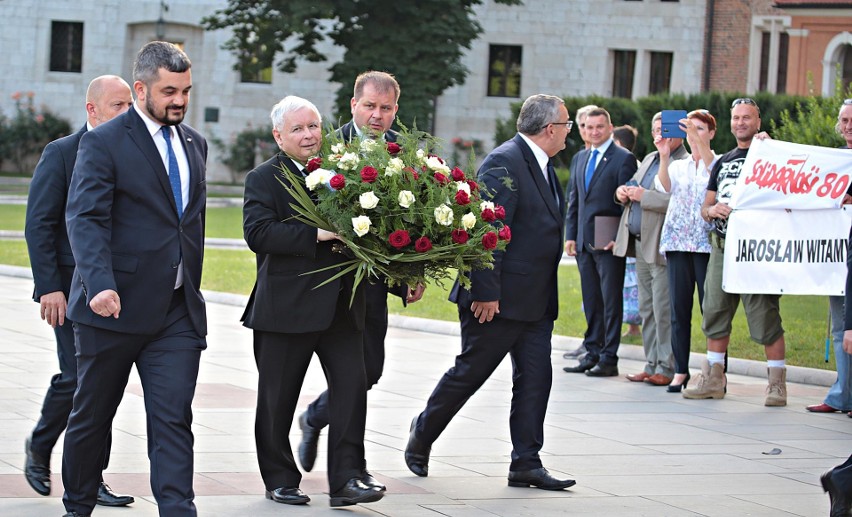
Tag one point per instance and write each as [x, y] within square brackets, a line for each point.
[313, 164]
[423, 244]
[460, 236]
[488, 215]
[399, 239]
[412, 171]
[499, 212]
[489, 240]
[393, 148]
[369, 174]
[441, 179]
[505, 233]
[473, 185]
[337, 182]
[462, 198]
[458, 174]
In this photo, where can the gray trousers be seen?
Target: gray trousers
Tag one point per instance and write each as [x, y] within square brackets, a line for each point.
[655, 310]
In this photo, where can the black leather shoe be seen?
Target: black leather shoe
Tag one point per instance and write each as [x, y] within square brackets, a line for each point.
[370, 481]
[538, 478]
[106, 497]
[308, 445]
[286, 495]
[75, 514]
[576, 353]
[36, 470]
[603, 370]
[841, 500]
[585, 364]
[354, 492]
[417, 453]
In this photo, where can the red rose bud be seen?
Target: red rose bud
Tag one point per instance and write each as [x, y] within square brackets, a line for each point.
[488, 215]
[489, 240]
[313, 164]
[460, 236]
[473, 185]
[423, 244]
[458, 174]
[505, 233]
[337, 182]
[441, 179]
[462, 198]
[369, 174]
[393, 148]
[412, 171]
[499, 212]
[399, 239]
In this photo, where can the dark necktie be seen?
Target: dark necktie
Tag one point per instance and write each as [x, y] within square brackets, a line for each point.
[551, 178]
[174, 171]
[590, 168]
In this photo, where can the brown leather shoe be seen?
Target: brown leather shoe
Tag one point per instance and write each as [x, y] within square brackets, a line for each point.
[821, 408]
[658, 379]
[637, 377]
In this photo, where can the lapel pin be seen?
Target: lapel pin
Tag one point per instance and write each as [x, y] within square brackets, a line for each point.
[189, 139]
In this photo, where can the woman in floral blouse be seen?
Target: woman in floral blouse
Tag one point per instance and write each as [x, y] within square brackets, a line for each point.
[684, 239]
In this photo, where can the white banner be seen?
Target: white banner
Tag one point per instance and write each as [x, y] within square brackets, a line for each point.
[779, 174]
[787, 252]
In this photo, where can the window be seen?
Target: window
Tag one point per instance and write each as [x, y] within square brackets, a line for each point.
[624, 62]
[66, 47]
[766, 60]
[256, 66]
[846, 67]
[661, 72]
[504, 70]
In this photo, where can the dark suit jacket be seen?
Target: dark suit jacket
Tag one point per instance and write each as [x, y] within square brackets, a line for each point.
[347, 131]
[124, 229]
[284, 299]
[614, 169]
[524, 275]
[47, 238]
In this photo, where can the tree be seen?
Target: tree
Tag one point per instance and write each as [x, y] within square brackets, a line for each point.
[814, 122]
[421, 43]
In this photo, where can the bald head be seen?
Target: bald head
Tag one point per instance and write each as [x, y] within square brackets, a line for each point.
[107, 97]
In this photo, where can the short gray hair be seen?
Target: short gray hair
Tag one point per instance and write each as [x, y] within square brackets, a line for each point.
[287, 105]
[657, 116]
[537, 112]
[582, 112]
[156, 55]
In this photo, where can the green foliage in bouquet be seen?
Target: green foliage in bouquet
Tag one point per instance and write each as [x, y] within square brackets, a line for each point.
[399, 210]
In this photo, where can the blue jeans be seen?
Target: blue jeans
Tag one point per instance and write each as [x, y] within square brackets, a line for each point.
[840, 394]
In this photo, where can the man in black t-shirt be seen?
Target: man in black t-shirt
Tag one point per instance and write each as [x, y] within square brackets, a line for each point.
[762, 310]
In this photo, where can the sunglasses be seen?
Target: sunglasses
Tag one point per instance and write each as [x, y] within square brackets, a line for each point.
[746, 100]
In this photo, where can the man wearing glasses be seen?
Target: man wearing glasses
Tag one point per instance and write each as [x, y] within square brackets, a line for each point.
[762, 310]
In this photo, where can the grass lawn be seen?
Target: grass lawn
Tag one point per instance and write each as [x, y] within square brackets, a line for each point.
[233, 271]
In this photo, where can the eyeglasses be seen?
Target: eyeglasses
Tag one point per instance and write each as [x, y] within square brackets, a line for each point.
[847, 102]
[746, 100]
[568, 125]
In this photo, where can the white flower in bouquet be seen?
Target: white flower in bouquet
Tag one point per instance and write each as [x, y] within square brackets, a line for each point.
[462, 185]
[434, 163]
[395, 166]
[317, 178]
[368, 200]
[348, 161]
[406, 198]
[421, 155]
[444, 215]
[361, 225]
[367, 145]
[468, 221]
[338, 148]
[485, 205]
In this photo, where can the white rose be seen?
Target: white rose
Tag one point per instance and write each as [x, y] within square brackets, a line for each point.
[348, 161]
[444, 215]
[361, 225]
[338, 148]
[368, 200]
[406, 198]
[395, 166]
[367, 145]
[317, 178]
[486, 204]
[421, 154]
[462, 185]
[468, 221]
[434, 163]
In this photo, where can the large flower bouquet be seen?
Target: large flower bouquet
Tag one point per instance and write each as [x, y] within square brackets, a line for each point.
[398, 209]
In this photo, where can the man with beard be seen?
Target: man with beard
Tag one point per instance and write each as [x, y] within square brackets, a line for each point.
[135, 220]
[762, 310]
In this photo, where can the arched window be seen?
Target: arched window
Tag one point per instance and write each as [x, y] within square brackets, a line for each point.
[837, 63]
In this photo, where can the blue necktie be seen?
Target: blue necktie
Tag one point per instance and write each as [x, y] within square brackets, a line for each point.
[174, 171]
[590, 168]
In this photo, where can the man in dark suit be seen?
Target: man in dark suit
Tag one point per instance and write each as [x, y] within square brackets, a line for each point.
[604, 167]
[53, 265]
[135, 220]
[292, 319]
[374, 106]
[511, 308]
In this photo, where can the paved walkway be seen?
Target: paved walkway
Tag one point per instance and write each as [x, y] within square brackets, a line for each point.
[633, 449]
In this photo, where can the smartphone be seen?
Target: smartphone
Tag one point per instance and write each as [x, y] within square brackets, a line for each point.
[671, 128]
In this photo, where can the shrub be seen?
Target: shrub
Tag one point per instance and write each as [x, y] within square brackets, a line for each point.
[26, 134]
[247, 149]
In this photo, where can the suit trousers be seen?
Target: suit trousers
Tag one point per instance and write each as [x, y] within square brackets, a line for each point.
[655, 310]
[282, 361]
[601, 283]
[484, 345]
[839, 396]
[375, 330]
[167, 362]
[687, 271]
